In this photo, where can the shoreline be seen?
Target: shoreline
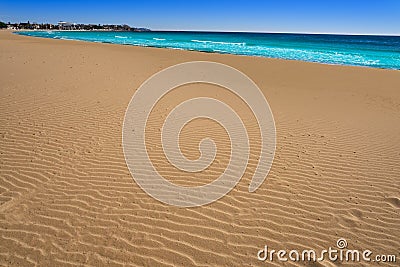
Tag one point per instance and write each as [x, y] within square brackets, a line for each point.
[199, 51]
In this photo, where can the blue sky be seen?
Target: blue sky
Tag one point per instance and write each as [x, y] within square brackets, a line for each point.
[313, 16]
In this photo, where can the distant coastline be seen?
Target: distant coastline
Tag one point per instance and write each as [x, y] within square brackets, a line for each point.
[70, 26]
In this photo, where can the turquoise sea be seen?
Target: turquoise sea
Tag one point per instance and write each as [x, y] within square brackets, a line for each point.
[355, 50]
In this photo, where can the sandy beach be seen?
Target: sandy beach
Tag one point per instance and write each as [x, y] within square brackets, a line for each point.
[67, 197]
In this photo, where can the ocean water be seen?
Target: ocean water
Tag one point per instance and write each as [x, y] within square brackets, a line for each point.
[355, 50]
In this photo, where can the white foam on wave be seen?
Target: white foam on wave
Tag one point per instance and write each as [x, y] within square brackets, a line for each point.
[214, 42]
[121, 37]
[159, 39]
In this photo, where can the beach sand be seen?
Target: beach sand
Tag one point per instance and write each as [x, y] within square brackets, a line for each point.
[67, 197]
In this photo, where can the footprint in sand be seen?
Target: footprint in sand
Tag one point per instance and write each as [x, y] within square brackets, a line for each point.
[393, 201]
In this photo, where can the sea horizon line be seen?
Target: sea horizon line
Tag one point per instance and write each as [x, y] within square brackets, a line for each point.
[215, 31]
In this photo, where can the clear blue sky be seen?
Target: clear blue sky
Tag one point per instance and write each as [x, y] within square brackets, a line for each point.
[322, 16]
